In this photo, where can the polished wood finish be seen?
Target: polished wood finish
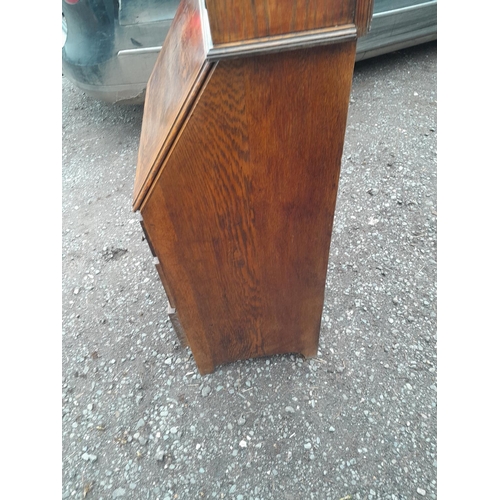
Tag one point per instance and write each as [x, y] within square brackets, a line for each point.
[364, 13]
[237, 179]
[180, 68]
[244, 219]
[236, 20]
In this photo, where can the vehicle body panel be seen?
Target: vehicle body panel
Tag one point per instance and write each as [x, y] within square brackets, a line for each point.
[110, 46]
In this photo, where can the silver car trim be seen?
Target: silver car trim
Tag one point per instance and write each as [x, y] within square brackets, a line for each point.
[404, 9]
[367, 54]
[141, 50]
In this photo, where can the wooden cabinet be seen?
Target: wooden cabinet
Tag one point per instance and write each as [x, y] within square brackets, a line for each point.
[238, 169]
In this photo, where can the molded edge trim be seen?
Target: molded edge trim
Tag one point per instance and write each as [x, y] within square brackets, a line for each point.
[280, 43]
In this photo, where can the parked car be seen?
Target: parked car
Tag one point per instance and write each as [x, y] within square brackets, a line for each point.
[110, 47]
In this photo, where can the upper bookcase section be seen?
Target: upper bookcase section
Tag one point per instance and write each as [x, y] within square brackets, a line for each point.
[234, 21]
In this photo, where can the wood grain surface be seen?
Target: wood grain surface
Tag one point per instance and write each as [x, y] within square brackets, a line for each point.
[364, 13]
[179, 72]
[235, 20]
[241, 213]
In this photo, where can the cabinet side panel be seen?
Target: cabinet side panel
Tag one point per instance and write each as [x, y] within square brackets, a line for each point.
[243, 209]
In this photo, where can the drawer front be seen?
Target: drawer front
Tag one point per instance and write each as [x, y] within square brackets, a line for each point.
[164, 282]
[179, 331]
[146, 237]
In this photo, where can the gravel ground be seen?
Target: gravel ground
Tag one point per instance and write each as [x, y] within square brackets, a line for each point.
[356, 422]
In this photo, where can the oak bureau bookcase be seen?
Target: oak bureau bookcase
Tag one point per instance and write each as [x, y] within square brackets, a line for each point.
[238, 169]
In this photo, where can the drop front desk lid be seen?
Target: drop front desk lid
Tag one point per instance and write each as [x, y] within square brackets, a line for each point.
[179, 72]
